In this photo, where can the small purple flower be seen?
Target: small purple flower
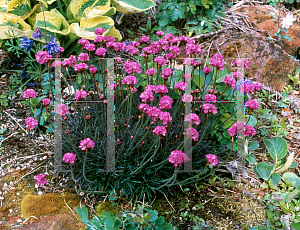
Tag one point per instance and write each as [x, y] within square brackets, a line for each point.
[37, 34]
[52, 47]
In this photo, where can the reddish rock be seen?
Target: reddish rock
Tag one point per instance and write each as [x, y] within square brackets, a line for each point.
[269, 64]
[261, 17]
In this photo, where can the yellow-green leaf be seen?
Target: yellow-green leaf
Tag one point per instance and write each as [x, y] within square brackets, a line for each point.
[88, 26]
[35, 9]
[3, 6]
[78, 7]
[12, 25]
[55, 22]
[47, 2]
[18, 7]
[115, 33]
[132, 6]
[99, 11]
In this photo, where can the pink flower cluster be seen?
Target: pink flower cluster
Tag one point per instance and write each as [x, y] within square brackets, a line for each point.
[251, 87]
[192, 118]
[175, 50]
[61, 110]
[100, 52]
[166, 73]
[41, 179]
[131, 67]
[46, 101]
[93, 69]
[131, 49]
[192, 133]
[178, 157]
[238, 75]
[90, 47]
[86, 144]
[160, 130]
[217, 61]
[180, 85]
[160, 89]
[252, 104]
[230, 81]
[99, 31]
[248, 130]
[160, 60]
[69, 158]
[80, 67]
[81, 94]
[43, 57]
[242, 63]
[193, 49]
[119, 46]
[30, 123]
[210, 97]
[151, 71]
[212, 159]
[83, 57]
[145, 39]
[147, 95]
[83, 41]
[209, 108]
[165, 102]
[69, 62]
[29, 93]
[206, 70]
[129, 80]
[187, 98]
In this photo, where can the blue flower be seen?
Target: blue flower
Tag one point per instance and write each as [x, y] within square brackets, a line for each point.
[26, 43]
[240, 83]
[52, 47]
[37, 34]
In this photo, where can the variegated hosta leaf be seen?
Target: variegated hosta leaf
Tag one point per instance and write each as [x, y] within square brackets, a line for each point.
[77, 7]
[47, 2]
[132, 6]
[18, 7]
[114, 33]
[12, 25]
[55, 22]
[3, 6]
[35, 9]
[99, 11]
[88, 26]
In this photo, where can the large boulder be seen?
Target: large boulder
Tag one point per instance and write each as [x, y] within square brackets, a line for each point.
[269, 64]
[261, 17]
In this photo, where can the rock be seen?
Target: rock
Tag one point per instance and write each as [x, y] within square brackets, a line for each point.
[269, 64]
[261, 17]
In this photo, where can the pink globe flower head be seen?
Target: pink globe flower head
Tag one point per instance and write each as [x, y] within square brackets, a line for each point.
[192, 49]
[99, 31]
[80, 67]
[99, 39]
[188, 61]
[209, 108]
[165, 117]
[192, 133]
[143, 107]
[46, 101]
[72, 60]
[151, 72]
[190, 40]
[119, 60]
[147, 95]
[241, 63]
[119, 46]
[30, 123]
[150, 87]
[180, 85]
[217, 61]
[90, 47]
[207, 70]
[247, 88]
[197, 64]
[210, 97]
[160, 60]
[252, 104]
[153, 112]
[61, 110]
[101, 52]
[29, 93]
[166, 73]
[192, 118]
[81, 94]
[65, 63]
[187, 98]
[43, 57]
[69, 158]
[175, 50]
[83, 57]
[249, 131]
[238, 75]
[178, 157]
[170, 56]
[161, 89]
[132, 67]
[163, 44]
[212, 159]
[145, 39]
[168, 37]
[86, 144]
[129, 80]
[41, 179]
[110, 39]
[135, 44]
[54, 63]
[132, 50]
[93, 69]
[165, 102]
[83, 41]
[257, 86]
[160, 130]
[159, 33]
[230, 81]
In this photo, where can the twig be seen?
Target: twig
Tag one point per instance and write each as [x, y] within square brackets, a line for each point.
[28, 219]
[8, 137]
[212, 33]
[16, 121]
[69, 207]
[169, 203]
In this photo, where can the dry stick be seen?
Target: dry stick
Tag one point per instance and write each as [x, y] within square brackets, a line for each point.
[69, 207]
[16, 121]
[212, 33]
[8, 137]
[28, 219]
[169, 203]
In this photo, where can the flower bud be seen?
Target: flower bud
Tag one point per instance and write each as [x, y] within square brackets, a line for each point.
[64, 96]
[167, 126]
[197, 111]
[101, 97]
[176, 136]
[179, 126]
[105, 71]
[139, 116]
[211, 91]
[125, 125]
[152, 122]
[131, 137]
[143, 143]
[91, 93]
[116, 126]
[83, 87]
[147, 128]
[50, 96]
[138, 164]
[196, 91]
[132, 116]
[182, 114]
[88, 117]
[68, 131]
[65, 117]
[216, 92]
[200, 107]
